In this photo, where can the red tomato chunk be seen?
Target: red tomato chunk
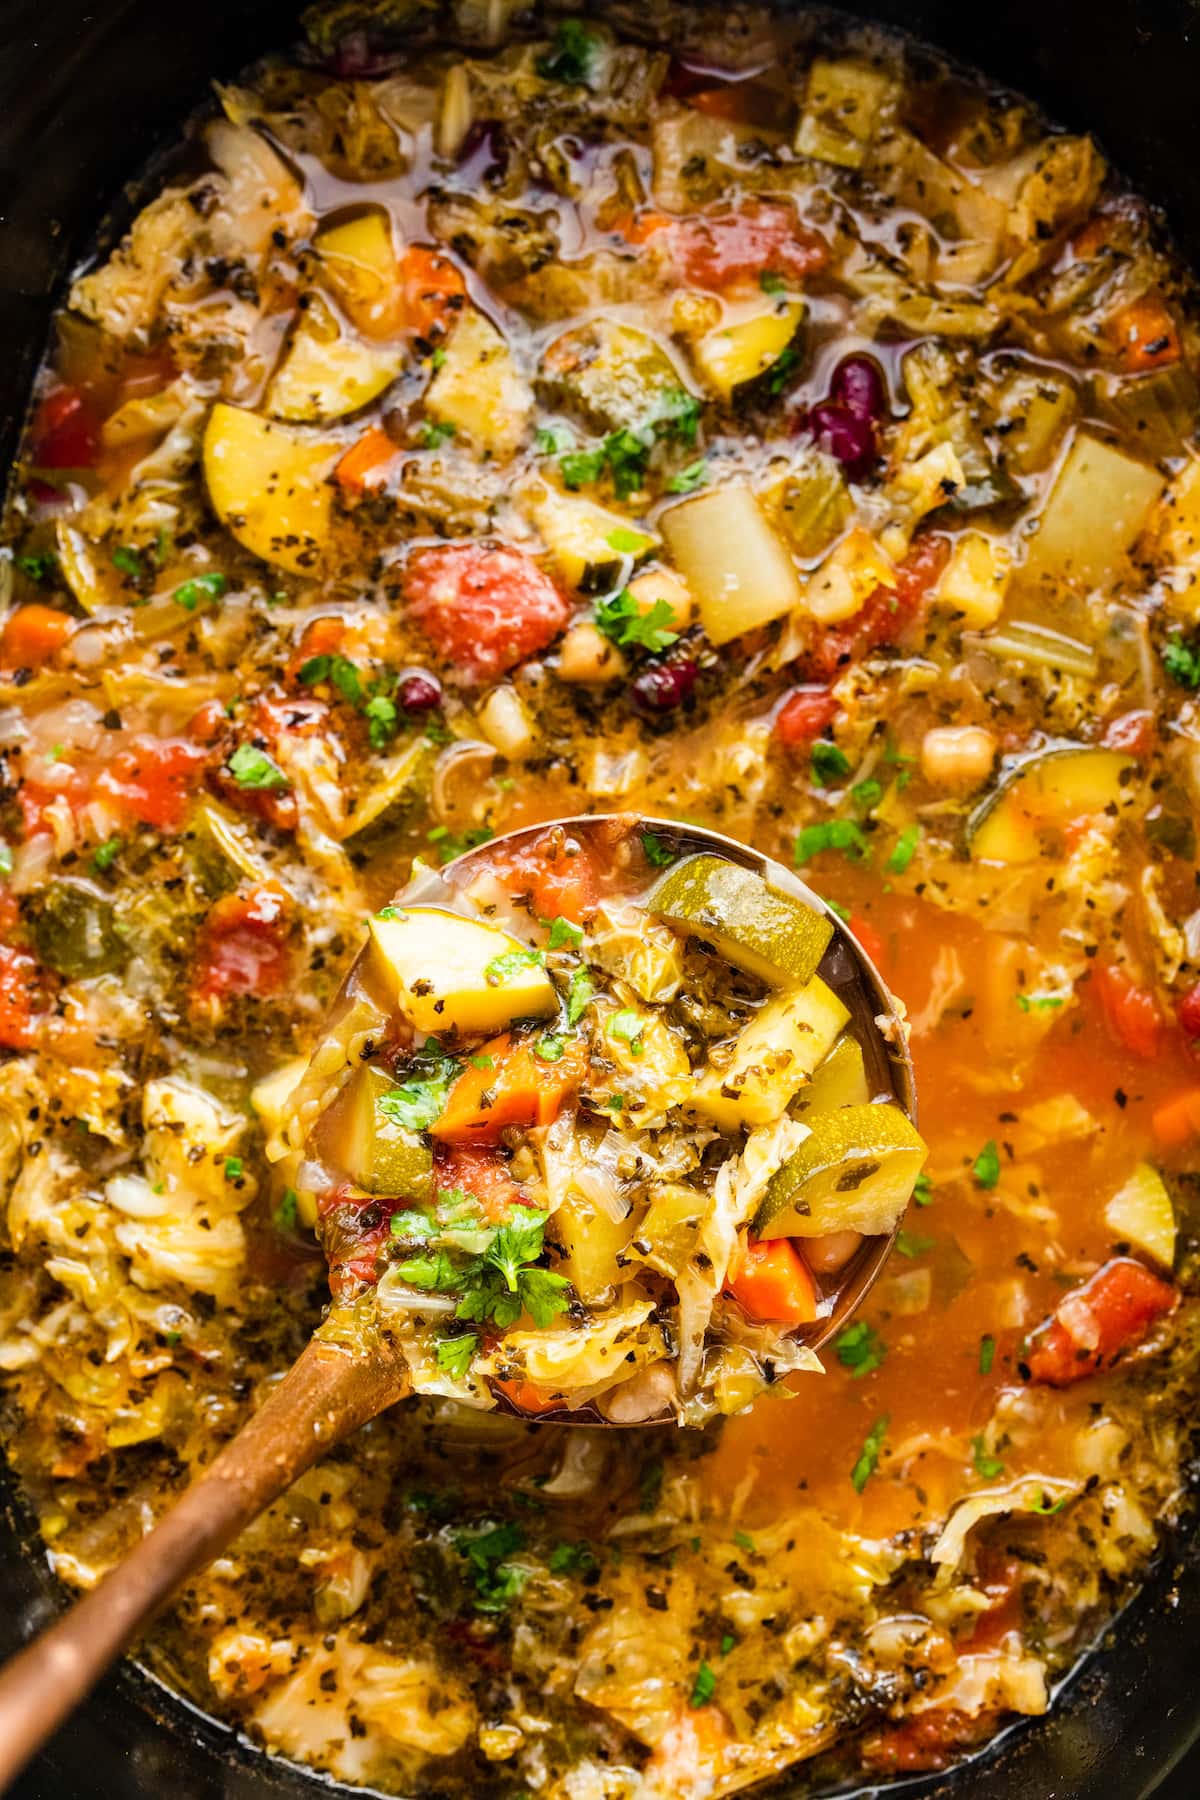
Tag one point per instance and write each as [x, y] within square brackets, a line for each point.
[1094, 1323]
[485, 607]
[243, 946]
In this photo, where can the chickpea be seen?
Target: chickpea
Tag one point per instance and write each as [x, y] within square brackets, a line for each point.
[958, 756]
[664, 585]
[586, 656]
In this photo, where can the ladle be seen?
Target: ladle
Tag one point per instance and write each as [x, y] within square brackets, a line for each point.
[330, 1391]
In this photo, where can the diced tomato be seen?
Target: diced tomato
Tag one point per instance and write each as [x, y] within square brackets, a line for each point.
[154, 780]
[434, 291]
[555, 876]
[929, 1740]
[715, 250]
[18, 973]
[32, 635]
[1145, 335]
[10, 909]
[888, 612]
[1133, 732]
[1177, 1121]
[1094, 1323]
[869, 938]
[36, 798]
[208, 723]
[770, 1281]
[804, 715]
[485, 607]
[483, 1173]
[514, 1086]
[243, 946]
[1188, 1012]
[366, 462]
[66, 432]
[1000, 1578]
[1130, 1011]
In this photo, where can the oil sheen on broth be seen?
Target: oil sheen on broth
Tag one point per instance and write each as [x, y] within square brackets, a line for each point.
[749, 423]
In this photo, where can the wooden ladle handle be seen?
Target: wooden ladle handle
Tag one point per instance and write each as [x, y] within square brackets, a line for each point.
[326, 1395]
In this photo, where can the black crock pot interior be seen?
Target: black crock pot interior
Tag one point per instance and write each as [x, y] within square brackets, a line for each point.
[89, 93]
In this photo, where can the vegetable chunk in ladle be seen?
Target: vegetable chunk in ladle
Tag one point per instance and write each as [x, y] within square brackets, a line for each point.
[612, 1121]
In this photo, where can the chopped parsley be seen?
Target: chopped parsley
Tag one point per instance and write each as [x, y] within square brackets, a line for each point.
[553, 440]
[627, 1027]
[502, 968]
[626, 542]
[1046, 1506]
[987, 1353]
[415, 1104]
[622, 621]
[454, 1353]
[433, 432]
[573, 1559]
[253, 768]
[771, 283]
[868, 1456]
[573, 54]
[339, 671]
[450, 844]
[579, 996]
[1039, 1002]
[744, 1541]
[105, 854]
[564, 935]
[986, 1168]
[199, 590]
[1182, 662]
[704, 1686]
[923, 1191]
[910, 1244]
[234, 1168]
[549, 1048]
[828, 762]
[833, 834]
[38, 565]
[727, 1643]
[986, 1465]
[127, 560]
[286, 1211]
[686, 481]
[657, 854]
[382, 717]
[624, 455]
[496, 1580]
[860, 1349]
[904, 849]
[867, 794]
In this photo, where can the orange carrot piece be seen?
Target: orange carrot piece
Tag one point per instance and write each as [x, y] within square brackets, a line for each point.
[33, 634]
[507, 1083]
[771, 1281]
[433, 290]
[1177, 1121]
[365, 461]
[1146, 335]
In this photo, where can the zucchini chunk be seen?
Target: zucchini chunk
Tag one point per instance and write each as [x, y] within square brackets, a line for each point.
[376, 1154]
[479, 389]
[589, 543]
[1140, 1214]
[612, 375]
[855, 1172]
[268, 484]
[734, 357]
[456, 974]
[1037, 799]
[841, 1080]
[751, 924]
[326, 374]
[732, 560]
[772, 1058]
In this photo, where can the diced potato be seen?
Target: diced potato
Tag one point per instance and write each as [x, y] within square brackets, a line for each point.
[269, 1098]
[613, 374]
[975, 580]
[1140, 1213]
[1097, 510]
[479, 389]
[587, 657]
[847, 578]
[591, 1242]
[325, 373]
[360, 262]
[505, 722]
[662, 587]
[841, 111]
[451, 973]
[1035, 412]
[732, 560]
[735, 355]
[588, 542]
[269, 485]
[790, 1035]
[855, 1172]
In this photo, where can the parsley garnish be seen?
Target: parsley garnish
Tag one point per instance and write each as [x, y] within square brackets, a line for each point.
[986, 1465]
[454, 1353]
[622, 620]
[1046, 1506]
[828, 762]
[626, 542]
[564, 935]
[986, 1167]
[627, 1026]
[867, 794]
[382, 717]
[573, 1559]
[572, 57]
[704, 1686]
[909, 1244]
[415, 1104]
[253, 768]
[127, 560]
[37, 565]
[549, 1048]
[922, 1189]
[200, 588]
[497, 1581]
[433, 432]
[833, 834]
[744, 1541]
[868, 1456]
[579, 996]
[339, 671]
[686, 481]
[904, 849]
[450, 844]
[234, 1168]
[771, 283]
[1039, 1002]
[860, 1349]
[552, 440]
[106, 854]
[657, 854]
[987, 1353]
[286, 1211]
[509, 963]
[1182, 662]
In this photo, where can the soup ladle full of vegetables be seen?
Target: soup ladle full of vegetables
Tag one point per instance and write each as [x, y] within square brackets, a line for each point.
[610, 1123]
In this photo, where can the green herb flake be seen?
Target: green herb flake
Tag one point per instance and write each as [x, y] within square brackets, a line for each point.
[552, 440]
[771, 283]
[1181, 662]
[573, 54]
[727, 1643]
[127, 560]
[704, 1686]
[986, 1465]
[580, 995]
[838, 910]
[626, 542]
[904, 849]
[686, 481]
[1039, 1002]
[6, 860]
[860, 1349]
[253, 768]
[509, 963]
[497, 1581]
[434, 432]
[987, 1353]
[744, 1541]
[416, 1103]
[37, 566]
[106, 854]
[834, 834]
[829, 762]
[866, 795]
[234, 1168]
[627, 1026]
[287, 1212]
[549, 1048]
[657, 854]
[199, 590]
[1048, 1507]
[623, 622]
[910, 1244]
[985, 1170]
[564, 935]
[573, 1559]
[868, 1456]
[581, 467]
[450, 845]
[923, 1191]
[482, 1062]
[454, 1353]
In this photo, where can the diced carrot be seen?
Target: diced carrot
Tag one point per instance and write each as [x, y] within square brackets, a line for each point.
[1092, 1324]
[1145, 335]
[526, 1396]
[32, 635]
[1131, 1012]
[433, 289]
[1177, 1121]
[365, 462]
[771, 1281]
[508, 1083]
